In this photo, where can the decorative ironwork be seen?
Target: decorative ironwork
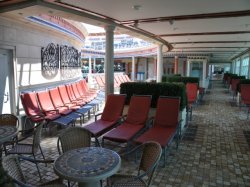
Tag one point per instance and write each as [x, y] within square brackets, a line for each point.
[69, 57]
[50, 60]
[50, 57]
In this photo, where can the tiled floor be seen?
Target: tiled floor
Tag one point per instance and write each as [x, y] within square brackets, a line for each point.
[213, 152]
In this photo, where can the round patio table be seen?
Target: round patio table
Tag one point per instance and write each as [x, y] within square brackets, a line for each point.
[7, 132]
[88, 165]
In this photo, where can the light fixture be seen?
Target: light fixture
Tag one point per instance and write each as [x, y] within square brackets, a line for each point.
[171, 21]
[136, 7]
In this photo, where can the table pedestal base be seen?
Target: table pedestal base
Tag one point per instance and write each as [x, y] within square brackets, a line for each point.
[90, 184]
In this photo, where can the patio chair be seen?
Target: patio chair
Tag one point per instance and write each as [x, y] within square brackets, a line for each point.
[110, 117]
[151, 154]
[10, 120]
[29, 148]
[73, 138]
[134, 123]
[11, 165]
[99, 81]
[245, 96]
[191, 90]
[166, 124]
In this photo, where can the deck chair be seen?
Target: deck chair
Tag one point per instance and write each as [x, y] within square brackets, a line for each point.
[72, 97]
[134, 123]
[29, 149]
[234, 84]
[81, 108]
[110, 117]
[245, 96]
[47, 107]
[166, 124]
[99, 81]
[11, 165]
[191, 90]
[35, 115]
[150, 157]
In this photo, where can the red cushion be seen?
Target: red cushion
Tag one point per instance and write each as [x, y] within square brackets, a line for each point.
[99, 127]
[162, 135]
[123, 133]
[113, 108]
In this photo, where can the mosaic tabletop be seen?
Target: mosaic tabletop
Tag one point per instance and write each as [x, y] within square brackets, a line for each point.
[87, 164]
[7, 132]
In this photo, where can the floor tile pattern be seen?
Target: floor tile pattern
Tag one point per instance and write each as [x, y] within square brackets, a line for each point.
[217, 156]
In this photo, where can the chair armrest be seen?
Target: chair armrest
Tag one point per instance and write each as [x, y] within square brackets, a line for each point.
[149, 122]
[97, 116]
[47, 161]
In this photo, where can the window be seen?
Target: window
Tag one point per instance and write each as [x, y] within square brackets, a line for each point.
[245, 66]
[237, 68]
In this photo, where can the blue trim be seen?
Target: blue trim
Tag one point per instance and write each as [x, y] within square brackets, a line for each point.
[54, 26]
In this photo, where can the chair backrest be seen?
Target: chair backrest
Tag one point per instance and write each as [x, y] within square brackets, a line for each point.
[30, 105]
[73, 138]
[45, 101]
[139, 107]
[75, 90]
[9, 119]
[99, 81]
[167, 111]
[127, 78]
[55, 97]
[234, 83]
[12, 166]
[245, 92]
[113, 107]
[64, 94]
[37, 137]
[191, 89]
[150, 158]
[70, 92]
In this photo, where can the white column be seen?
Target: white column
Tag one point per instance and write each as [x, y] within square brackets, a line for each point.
[90, 72]
[188, 68]
[159, 63]
[94, 63]
[133, 69]
[109, 60]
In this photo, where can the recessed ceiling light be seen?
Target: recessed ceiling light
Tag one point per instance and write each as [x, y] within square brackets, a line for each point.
[136, 7]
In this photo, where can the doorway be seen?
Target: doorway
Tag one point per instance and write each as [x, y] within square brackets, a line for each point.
[7, 91]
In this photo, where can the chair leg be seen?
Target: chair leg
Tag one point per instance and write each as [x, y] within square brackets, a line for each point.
[42, 154]
[37, 167]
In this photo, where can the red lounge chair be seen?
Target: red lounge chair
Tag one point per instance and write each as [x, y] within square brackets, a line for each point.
[99, 81]
[47, 106]
[110, 116]
[83, 90]
[84, 85]
[72, 97]
[245, 96]
[134, 123]
[78, 96]
[127, 78]
[191, 89]
[34, 113]
[234, 84]
[166, 124]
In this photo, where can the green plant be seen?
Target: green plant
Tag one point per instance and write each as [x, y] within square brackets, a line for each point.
[155, 90]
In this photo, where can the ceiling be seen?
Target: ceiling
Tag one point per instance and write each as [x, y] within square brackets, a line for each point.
[219, 29]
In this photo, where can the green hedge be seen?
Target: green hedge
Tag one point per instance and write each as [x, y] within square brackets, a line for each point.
[185, 80]
[156, 90]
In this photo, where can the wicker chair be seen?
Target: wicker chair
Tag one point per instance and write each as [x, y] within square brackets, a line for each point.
[151, 154]
[10, 120]
[73, 138]
[28, 149]
[11, 165]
